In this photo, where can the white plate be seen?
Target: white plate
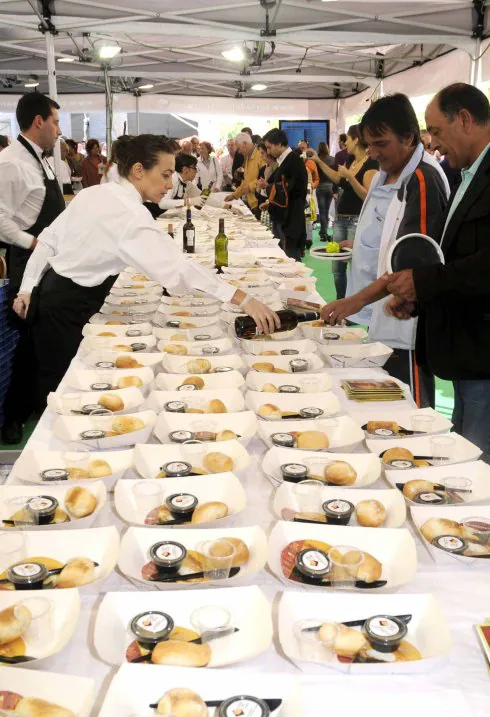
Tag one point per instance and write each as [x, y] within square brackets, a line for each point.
[393, 548]
[136, 686]
[477, 471]
[292, 284]
[186, 301]
[136, 543]
[320, 253]
[82, 378]
[212, 381]
[367, 466]
[294, 402]
[172, 312]
[137, 308]
[244, 424]
[396, 513]
[355, 355]
[128, 300]
[130, 291]
[149, 458]
[316, 333]
[131, 397]
[290, 270]
[69, 428]
[402, 416]
[66, 611]
[198, 322]
[103, 343]
[95, 329]
[72, 693]
[224, 487]
[165, 333]
[462, 450]
[428, 630]
[342, 432]
[12, 496]
[145, 359]
[252, 272]
[198, 348]
[302, 346]
[231, 397]
[179, 364]
[250, 612]
[315, 363]
[98, 544]
[28, 468]
[311, 383]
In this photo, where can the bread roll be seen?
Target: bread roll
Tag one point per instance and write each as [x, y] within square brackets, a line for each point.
[176, 349]
[263, 367]
[187, 325]
[194, 410]
[178, 337]
[369, 570]
[80, 502]
[217, 406]
[181, 654]
[395, 454]
[280, 370]
[270, 388]
[370, 513]
[434, 527]
[207, 512]
[111, 401]
[216, 462]
[312, 440]
[242, 553]
[199, 365]
[349, 336]
[127, 381]
[348, 641]
[181, 313]
[196, 381]
[77, 572]
[35, 707]
[269, 353]
[114, 323]
[413, 487]
[122, 347]
[340, 473]
[226, 435]
[140, 277]
[106, 333]
[127, 424]
[99, 469]
[269, 411]
[78, 474]
[127, 362]
[182, 702]
[14, 621]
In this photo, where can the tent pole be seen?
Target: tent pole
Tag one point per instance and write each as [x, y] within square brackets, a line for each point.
[475, 64]
[137, 98]
[53, 93]
[108, 112]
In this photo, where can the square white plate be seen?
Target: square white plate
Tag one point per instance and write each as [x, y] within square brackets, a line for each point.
[256, 348]
[356, 355]
[212, 381]
[83, 379]
[198, 348]
[294, 402]
[462, 450]
[165, 333]
[131, 397]
[244, 424]
[69, 428]
[402, 416]
[193, 322]
[72, 693]
[311, 383]
[100, 343]
[347, 334]
[189, 301]
[231, 397]
[180, 364]
[315, 363]
[144, 359]
[477, 472]
[148, 459]
[120, 330]
[342, 432]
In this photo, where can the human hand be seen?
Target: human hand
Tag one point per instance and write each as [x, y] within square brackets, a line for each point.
[312, 154]
[401, 284]
[229, 198]
[264, 206]
[267, 321]
[346, 244]
[344, 172]
[197, 201]
[215, 189]
[335, 312]
[399, 308]
[33, 244]
[21, 304]
[261, 183]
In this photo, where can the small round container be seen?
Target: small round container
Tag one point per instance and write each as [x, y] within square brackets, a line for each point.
[289, 389]
[180, 436]
[330, 336]
[457, 483]
[202, 337]
[133, 333]
[175, 406]
[385, 632]
[283, 440]
[181, 505]
[138, 346]
[478, 529]
[400, 464]
[93, 434]
[89, 407]
[42, 508]
[450, 544]
[338, 511]
[222, 369]
[177, 469]
[54, 474]
[313, 564]
[289, 352]
[298, 365]
[430, 498]
[383, 433]
[151, 627]
[210, 350]
[244, 706]
[105, 364]
[310, 412]
[27, 576]
[100, 386]
[187, 387]
[173, 324]
[168, 556]
[294, 472]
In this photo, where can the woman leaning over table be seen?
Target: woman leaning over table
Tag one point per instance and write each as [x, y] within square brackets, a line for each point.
[105, 229]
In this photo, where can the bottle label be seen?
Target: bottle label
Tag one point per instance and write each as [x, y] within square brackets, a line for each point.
[190, 236]
[383, 627]
[429, 498]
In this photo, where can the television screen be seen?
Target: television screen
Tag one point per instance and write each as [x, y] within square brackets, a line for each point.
[314, 131]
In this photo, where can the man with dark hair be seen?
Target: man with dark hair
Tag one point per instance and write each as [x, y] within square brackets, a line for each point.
[287, 189]
[183, 184]
[453, 299]
[30, 199]
[342, 156]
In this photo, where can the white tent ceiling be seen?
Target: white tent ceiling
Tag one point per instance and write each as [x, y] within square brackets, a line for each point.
[340, 47]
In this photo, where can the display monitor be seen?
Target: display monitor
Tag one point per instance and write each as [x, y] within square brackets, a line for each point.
[314, 131]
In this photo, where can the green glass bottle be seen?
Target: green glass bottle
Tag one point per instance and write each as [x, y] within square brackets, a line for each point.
[221, 247]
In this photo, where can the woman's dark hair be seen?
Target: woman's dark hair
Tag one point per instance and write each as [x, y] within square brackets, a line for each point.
[395, 113]
[208, 146]
[262, 146]
[354, 132]
[276, 136]
[323, 150]
[342, 137]
[143, 149]
[30, 106]
[460, 96]
[91, 143]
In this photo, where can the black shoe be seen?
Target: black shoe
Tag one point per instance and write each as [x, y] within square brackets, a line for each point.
[309, 244]
[12, 432]
[323, 238]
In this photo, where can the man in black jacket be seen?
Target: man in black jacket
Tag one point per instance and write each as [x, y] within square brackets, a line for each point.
[453, 300]
[287, 194]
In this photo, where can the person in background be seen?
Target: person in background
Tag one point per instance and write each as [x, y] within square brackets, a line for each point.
[208, 168]
[342, 156]
[195, 146]
[287, 190]
[354, 181]
[313, 176]
[425, 138]
[93, 164]
[238, 161]
[324, 191]
[111, 173]
[265, 172]
[74, 159]
[65, 168]
[183, 185]
[253, 163]
[256, 139]
[4, 142]
[226, 162]
[186, 147]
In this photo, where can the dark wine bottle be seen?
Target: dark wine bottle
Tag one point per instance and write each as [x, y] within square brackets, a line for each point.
[189, 233]
[246, 328]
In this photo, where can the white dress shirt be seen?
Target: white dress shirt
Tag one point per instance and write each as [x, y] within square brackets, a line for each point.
[105, 229]
[226, 166]
[283, 156]
[180, 189]
[209, 172]
[22, 192]
[65, 172]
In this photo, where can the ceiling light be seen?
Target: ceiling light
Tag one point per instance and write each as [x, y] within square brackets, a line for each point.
[259, 87]
[236, 54]
[108, 51]
[31, 84]
[145, 87]
[66, 59]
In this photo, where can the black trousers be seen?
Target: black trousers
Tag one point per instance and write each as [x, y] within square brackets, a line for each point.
[57, 315]
[402, 364]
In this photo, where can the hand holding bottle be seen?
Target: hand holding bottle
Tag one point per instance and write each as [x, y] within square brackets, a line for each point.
[267, 321]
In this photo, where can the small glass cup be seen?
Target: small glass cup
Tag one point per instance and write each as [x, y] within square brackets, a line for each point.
[13, 548]
[70, 402]
[311, 648]
[79, 459]
[442, 449]
[14, 507]
[194, 452]
[211, 622]
[308, 495]
[147, 496]
[345, 563]
[138, 318]
[422, 423]
[105, 375]
[103, 355]
[218, 556]
[316, 467]
[310, 384]
[40, 631]
[456, 483]
[478, 529]
[101, 419]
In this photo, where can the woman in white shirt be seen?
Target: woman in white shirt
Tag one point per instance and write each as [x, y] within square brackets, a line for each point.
[208, 168]
[105, 229]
